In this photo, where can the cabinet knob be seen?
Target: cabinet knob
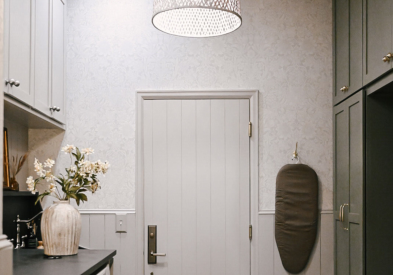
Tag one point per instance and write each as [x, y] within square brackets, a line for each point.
[344, 89]
[387, 57]
[12, 82]
[54, 109]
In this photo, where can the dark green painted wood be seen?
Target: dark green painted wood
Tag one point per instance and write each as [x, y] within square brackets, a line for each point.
[377, 39]
[348, 47]
[379, 182]
[348, 185]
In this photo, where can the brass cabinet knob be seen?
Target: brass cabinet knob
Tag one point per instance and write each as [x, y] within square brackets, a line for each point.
[387, 57]
[344, 89]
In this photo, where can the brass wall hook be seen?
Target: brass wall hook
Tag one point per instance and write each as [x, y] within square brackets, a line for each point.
[295, 155]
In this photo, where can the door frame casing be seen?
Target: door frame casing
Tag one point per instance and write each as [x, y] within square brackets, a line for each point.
[253, 97]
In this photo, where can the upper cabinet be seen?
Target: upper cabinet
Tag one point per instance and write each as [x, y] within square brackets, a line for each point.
[58, 58]
[348, 48]
[377, 38]
[35, 55]
[363, 46]
[17, 49]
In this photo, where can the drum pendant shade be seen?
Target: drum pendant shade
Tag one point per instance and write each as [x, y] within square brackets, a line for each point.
[197, 18]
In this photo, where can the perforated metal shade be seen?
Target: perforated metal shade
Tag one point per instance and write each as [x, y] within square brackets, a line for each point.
[197, 18]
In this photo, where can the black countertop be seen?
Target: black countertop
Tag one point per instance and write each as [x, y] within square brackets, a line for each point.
[86, 262]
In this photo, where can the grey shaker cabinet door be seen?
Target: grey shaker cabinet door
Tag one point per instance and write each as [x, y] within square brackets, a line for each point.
[349, 185]
[58, 58]
[17, 57]
[377, 41]
[348, 48]
[42, 57]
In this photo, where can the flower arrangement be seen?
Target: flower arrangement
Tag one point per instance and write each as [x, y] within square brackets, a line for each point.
[80, 177]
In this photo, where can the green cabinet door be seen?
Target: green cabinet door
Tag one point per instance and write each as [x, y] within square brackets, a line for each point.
[348, 185]
[377, 39]
[348, 18]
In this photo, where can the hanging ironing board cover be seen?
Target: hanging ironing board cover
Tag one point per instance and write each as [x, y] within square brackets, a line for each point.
[296, 215]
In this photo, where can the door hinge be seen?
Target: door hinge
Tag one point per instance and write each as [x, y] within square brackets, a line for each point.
[250, 232]
[250, 129]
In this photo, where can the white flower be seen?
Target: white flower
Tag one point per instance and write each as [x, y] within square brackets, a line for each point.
[68, 149]
[101, 167]
[30, 180]
[49, 176]
[30, 185]
[38, 168]
[87, 151]
[49, 163]
[105, 167]
[87, 167]
[73, 168]
[52, 187]
[95, 186]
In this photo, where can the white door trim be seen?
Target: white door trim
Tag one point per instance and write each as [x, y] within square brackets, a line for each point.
[252, 95]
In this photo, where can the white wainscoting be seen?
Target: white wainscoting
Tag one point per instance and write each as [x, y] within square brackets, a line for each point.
[322, 258]
[98, 231]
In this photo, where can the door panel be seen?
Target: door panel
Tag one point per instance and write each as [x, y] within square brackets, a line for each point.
[19, 58]
[58, 59]
[196, 173]
[203, 134]
[349, 181]
[348, 47]
[341, 187]
[377, 39]
[42, 55]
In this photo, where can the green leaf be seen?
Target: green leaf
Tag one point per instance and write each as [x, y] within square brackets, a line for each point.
[41, 196]
[74, 189]
[82, 196]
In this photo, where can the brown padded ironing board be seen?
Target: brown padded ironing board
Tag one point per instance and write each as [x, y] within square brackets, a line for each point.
[296, 215]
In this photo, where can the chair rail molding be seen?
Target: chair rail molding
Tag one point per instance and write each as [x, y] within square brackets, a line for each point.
[107, 211]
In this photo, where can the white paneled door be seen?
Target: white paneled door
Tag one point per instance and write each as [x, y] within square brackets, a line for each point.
[197, 186]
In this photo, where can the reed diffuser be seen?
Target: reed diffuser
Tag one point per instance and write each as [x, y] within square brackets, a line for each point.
[17, 164]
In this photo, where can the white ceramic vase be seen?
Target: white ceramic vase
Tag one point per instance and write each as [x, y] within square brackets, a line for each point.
[61, 229]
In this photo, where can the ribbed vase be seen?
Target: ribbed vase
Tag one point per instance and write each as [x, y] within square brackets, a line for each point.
[61, 229]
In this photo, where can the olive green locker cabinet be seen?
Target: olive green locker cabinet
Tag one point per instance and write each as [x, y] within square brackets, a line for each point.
[348, 22]
[377, 39]
[348, 185]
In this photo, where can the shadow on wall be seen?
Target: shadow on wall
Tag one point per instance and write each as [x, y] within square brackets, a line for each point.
[44, 144]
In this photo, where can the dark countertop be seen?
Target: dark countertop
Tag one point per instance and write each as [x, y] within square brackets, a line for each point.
[86, 262]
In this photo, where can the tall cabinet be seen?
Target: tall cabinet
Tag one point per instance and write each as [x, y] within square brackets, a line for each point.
[349, 185]
[363, 136]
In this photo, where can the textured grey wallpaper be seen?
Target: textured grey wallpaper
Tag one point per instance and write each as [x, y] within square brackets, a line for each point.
[283, 49]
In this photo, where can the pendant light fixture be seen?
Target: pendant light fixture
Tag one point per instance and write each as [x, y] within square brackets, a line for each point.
[197, 18]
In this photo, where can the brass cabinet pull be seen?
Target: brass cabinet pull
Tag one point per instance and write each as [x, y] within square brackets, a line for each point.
[343, 208]
[340, 213]
[344, 89]
[387, 57]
